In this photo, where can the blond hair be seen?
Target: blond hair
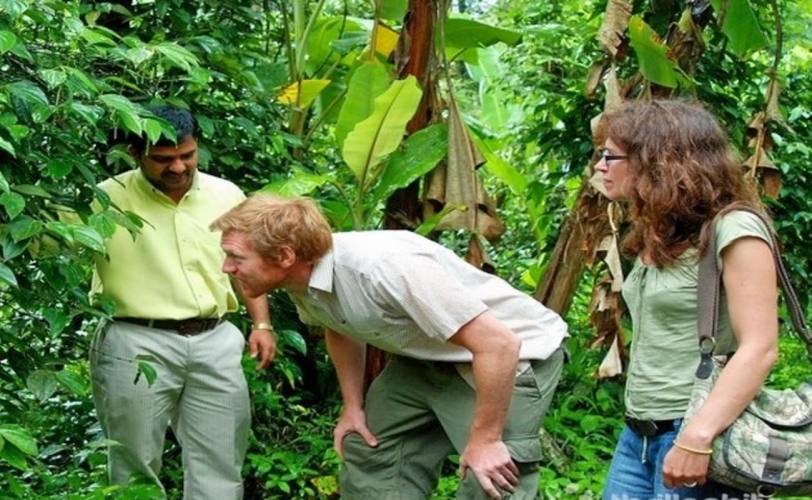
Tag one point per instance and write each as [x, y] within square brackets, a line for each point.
[272, 222]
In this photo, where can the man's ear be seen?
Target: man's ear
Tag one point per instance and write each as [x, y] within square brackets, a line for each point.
[133, 152]
[287, 257]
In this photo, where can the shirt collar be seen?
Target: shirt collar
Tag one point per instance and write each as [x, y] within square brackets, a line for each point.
[322, 276]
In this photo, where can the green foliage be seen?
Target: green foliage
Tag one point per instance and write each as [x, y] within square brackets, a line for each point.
[77, 75]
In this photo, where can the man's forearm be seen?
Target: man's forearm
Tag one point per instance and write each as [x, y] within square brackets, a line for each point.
[494, 376]
[349, 358]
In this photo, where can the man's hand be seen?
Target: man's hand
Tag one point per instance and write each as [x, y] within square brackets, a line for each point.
[492, 465]
[349, 422]
[262, 344]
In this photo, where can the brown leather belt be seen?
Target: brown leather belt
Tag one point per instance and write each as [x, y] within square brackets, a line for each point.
[191, 326]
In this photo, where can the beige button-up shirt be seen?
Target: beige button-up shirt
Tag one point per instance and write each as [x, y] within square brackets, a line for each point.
[408, 295]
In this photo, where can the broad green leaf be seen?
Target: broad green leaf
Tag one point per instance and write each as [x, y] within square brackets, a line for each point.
[421, 152]
[57, 321]
[32, 190]
[103, 224]
[96, 37]
[42, 384]
[741, 26]
[13, 7]
[319, 44]
[91, 114]
[295, 339]
[82, 78]
[300, 183]
[380, 134]
[310, 89]
[4, 144]
[654, 56]
[118, 103]
[468, 34]
[18, 132]
[149, 372]
[131, 222]
[28, 91]
[15, 435]
[503, 170]
[72, 381]
[59, 168]
[368, 82]
[88, 237]
[153, 128]
[41, 112]
[350, 41]
[3, 183]
[62, 230]
[7, 41]
[24, 227]
[125, 111]
[393, 10]
[137, 55]
[177, 55]
[53, 77]
[7, 275]
[14, 457]
[13, 202]
[11, 248]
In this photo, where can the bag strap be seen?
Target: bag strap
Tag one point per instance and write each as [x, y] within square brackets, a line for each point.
[708, 293]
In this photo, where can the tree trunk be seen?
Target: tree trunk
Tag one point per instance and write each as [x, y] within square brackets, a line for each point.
[414, 56]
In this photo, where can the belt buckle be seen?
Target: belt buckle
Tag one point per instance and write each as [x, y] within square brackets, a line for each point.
[645, 428]
[191, 327]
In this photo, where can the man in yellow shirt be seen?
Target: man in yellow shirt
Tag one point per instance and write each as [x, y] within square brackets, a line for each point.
[171, 297]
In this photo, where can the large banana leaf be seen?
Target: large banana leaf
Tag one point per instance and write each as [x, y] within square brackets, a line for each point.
[656, 62]
[382, 132]
[420, 153]
[740, 25]
[368, 82]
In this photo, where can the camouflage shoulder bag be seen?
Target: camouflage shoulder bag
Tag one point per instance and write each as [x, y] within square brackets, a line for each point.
[768, 448]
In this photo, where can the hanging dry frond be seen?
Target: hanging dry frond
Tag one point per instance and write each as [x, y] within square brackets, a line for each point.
[611, 32]
[457, 183]
[478, 256]
[593, 78]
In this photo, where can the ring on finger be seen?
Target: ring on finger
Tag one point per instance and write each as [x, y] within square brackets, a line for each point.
[691, 484]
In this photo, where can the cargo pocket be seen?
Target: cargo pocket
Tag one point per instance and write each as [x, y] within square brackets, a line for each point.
[527, 450]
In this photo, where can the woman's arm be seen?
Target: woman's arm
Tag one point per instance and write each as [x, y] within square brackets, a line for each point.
[749, 278]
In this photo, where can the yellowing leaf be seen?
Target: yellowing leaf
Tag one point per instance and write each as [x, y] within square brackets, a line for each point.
[304, 95]
[386, 40]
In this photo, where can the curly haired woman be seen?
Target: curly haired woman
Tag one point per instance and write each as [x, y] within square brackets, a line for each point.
[673, 164]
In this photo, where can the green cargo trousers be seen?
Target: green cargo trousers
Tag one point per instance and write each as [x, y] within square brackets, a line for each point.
[421, 412]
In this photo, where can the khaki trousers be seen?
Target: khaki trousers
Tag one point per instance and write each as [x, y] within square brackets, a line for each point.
[200, 391]
[421, 411]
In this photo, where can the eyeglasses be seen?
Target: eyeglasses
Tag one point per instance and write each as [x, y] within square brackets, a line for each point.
[607, 157]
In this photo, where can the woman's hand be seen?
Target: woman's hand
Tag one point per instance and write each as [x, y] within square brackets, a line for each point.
[685, 468]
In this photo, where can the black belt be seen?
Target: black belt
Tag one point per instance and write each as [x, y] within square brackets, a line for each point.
[191, 326]
[650, 428]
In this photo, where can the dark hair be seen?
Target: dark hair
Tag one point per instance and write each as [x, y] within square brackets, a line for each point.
[182, 121]
[683, 174]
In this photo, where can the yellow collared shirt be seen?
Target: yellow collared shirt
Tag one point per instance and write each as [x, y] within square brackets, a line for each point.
[173, 267]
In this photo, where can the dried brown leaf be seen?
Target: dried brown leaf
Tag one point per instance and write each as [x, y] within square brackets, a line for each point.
[615, 22]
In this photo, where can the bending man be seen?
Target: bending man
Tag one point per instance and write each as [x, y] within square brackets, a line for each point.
[475, 361]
